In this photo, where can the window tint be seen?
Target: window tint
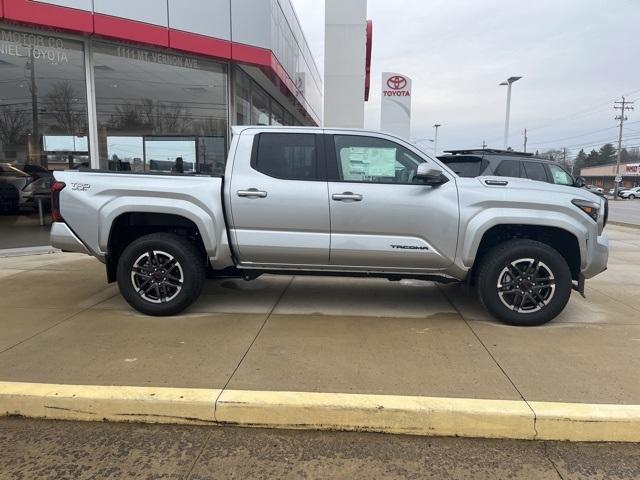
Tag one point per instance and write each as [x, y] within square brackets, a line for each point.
[465, 166]
[369, 159]
[290, 156]
[508, 168]
[535, 171]
[560, 177]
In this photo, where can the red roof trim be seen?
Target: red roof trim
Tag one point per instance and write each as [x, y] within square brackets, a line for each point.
[126, 29]
[194, 43]
[49, 15]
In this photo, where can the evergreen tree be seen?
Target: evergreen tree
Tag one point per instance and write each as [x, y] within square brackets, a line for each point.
[607, 154]
[592, 159]
[579, 162]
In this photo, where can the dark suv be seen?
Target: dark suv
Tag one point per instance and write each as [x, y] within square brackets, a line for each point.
[506, 163]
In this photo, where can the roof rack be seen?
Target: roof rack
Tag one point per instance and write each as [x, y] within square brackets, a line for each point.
[492, 151]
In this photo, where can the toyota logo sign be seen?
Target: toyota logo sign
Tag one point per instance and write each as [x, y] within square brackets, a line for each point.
[397, 82]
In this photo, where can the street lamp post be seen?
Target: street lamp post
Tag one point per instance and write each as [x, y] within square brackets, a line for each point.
[508, 83]
[435, 142]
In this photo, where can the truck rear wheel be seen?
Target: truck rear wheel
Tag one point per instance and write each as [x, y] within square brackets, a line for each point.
[524, 282]
[160, 274]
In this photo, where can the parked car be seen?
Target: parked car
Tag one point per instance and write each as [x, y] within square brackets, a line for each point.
[595, 189]
[318, 201]
[29, 187]
[631, 193]
[505, 163]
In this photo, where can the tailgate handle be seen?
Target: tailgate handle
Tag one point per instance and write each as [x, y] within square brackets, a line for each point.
[252, 193]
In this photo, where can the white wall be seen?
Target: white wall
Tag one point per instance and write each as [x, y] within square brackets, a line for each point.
[344, 62]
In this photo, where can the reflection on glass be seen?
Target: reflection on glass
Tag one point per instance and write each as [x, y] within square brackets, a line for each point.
[168, 101]
[259, 106]
[277, 114]
[43, 106]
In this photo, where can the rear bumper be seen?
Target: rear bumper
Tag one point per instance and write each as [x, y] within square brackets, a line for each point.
[63, 238]
[598, 257]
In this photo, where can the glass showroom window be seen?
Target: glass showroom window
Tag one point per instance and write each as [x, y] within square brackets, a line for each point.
[260, 113]
[242, 87]
[43, 105]
[159, 111]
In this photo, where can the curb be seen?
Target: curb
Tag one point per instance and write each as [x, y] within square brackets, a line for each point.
[623, 224]
[24, 251]
[429, 416]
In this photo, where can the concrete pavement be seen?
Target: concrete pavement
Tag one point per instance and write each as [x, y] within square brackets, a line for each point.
[61, 324]
[79, 450]
[625, 211]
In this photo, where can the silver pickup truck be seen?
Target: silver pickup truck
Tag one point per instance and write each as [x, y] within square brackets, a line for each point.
[314, 201]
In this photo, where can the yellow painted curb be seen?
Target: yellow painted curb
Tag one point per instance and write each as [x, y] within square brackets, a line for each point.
[580, 422]
[432, 416]
[378, 413]
[97, 403]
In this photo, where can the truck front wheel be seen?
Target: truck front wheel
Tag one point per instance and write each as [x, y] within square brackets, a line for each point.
[160, 274]
[524, 282]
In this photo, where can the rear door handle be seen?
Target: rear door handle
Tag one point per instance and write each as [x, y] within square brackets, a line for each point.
[252, 193]
[347, 197]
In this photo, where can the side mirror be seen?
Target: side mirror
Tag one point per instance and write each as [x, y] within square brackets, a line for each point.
[429, 175]
[580, 182]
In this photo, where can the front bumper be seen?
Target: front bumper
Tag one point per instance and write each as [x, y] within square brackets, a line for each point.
[598, 257]
[63, 238]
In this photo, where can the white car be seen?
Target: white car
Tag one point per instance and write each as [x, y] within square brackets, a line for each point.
[631, 193]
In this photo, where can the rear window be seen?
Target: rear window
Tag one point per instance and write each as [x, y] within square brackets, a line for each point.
[508, 168]
[535, 171]
[290, 156]
[465, 166]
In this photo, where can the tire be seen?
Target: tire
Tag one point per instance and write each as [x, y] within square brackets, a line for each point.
[632, 196]
[151, 288]
[549, 294]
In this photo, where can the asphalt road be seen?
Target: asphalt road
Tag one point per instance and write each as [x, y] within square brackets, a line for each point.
[625, 211]
[31, 449]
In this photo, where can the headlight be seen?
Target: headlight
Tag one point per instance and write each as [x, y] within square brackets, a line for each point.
[590, 208]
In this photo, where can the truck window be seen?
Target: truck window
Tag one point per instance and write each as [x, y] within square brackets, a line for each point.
[560, 177]
[508, 168]
[290, 156]
[375, 160]
[535, 171]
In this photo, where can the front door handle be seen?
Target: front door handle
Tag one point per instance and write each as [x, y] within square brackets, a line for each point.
[347, 197]
[252, 193]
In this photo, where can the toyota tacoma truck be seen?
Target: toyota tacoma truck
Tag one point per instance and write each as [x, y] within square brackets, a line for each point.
[313, 201]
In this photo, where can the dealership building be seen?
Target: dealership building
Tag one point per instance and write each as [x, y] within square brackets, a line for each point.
[133, 85]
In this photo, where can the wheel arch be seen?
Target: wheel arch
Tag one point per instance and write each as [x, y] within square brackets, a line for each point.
[130, 226]
[560, 239]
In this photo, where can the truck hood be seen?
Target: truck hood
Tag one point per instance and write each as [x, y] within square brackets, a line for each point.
[538, 188]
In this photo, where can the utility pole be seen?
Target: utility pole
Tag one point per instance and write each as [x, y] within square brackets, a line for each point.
[623, 106]
[484, 144]
[435, 143]
[525, 140]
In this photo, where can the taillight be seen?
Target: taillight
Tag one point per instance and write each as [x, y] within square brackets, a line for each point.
[56, 188]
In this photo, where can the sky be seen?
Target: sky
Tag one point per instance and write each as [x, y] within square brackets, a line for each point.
[576, 58]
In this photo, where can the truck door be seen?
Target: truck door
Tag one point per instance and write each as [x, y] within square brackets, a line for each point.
[279, 199]
[382, 216]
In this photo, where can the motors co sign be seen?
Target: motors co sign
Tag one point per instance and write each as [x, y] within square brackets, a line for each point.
[397, 87]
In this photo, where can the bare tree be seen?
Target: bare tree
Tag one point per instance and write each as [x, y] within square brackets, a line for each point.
[62, 102]
[14, 126]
